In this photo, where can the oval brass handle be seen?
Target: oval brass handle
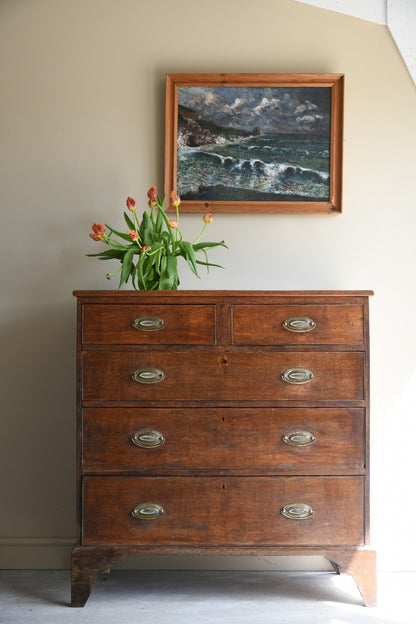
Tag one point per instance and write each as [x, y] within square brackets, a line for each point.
[299, 324]
[147, 438]
[298, 438]
[148, 323]
[297, 511]
[297, 375]
[148, 375]
[147, 511]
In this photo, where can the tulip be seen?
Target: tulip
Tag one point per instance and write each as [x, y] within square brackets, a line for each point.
[134, 235]
[208, 218]
[131, 204]
[144, 248]
[152, 193]
[98, 231]
[173, 224]
[175, 200]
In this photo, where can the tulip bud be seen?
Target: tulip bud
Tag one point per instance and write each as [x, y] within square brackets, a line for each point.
[144, 248]
[208, 218]
[175, 200]
[173, 224]
[131, 204]
[152, 193]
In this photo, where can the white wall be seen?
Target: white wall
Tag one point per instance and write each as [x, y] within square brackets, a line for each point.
[81, 127]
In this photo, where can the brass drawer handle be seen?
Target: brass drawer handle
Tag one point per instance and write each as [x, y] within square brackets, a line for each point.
[148, 375]
[297, 375]
[147, 438]
[297, 511]
[148, 323]
[299, 324]
[147, 511]
[298, 438]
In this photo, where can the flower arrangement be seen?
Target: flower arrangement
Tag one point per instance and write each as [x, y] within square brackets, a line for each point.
[149, 252]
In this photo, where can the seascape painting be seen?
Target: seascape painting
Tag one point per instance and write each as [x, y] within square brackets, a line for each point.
[251, 143]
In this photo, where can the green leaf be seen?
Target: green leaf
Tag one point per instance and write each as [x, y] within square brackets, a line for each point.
[187, 251]
[129, 222]
[169, 273]
[108, 254]
[115, 245]
[125, 271]
[199, 246]
[207, 264]
[120, 234]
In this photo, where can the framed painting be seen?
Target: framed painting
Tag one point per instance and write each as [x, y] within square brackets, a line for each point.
[255, 143]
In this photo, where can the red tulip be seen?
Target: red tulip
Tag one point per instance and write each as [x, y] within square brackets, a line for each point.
[152, 193]
[131, 204]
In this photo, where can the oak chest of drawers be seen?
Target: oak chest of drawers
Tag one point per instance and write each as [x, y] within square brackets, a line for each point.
[231, 422]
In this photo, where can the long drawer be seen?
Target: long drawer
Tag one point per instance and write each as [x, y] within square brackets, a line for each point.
[222, 439]
[230, 375]
[223, 511]
[148, 324]
[263, 324]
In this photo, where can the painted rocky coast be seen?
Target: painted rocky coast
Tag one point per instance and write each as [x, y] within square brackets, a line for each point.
[251, 144]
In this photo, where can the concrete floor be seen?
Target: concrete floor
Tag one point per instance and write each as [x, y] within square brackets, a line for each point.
[247, 597]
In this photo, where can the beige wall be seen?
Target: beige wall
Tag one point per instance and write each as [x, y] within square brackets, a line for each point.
[81, 127]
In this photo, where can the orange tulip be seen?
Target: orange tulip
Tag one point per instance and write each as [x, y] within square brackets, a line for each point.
[175, 200]
[173, 224]
[134, 235]
[144, 248]
[98, 231]
[208, 218]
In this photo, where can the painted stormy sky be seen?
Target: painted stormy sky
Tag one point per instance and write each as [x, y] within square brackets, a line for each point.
[303, 110]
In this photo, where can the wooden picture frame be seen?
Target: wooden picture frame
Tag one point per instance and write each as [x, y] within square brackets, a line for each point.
[255, 143]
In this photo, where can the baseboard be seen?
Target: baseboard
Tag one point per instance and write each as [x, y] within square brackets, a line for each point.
[35, 553]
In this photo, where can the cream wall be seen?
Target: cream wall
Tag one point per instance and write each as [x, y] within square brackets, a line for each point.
[81, 127]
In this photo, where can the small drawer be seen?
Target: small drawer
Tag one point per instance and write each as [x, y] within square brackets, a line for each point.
[237, 511]
[221, 440]
[297, 324]
[155, 324]
[205, 375]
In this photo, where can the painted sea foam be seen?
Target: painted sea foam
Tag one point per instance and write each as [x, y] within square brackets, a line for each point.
[280, 164]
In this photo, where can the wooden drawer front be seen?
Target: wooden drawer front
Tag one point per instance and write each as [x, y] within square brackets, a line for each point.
[182, 324]
[263, 324]
[227, 510]
[206, 375]
[222, 439]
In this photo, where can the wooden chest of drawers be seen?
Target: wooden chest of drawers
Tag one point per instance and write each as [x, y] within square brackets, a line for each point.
[225, 422]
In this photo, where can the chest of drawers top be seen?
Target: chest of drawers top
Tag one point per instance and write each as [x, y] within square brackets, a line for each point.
[235, 318]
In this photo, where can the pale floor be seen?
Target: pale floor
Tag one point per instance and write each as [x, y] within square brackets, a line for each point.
[248, 597]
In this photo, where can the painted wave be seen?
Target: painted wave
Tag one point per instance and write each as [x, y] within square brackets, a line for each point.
[289, 165]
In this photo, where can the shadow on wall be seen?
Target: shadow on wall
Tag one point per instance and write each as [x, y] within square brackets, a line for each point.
[37, 444]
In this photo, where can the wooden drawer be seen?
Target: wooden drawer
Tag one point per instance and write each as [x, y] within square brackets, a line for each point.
[180, 324]
[223, 511]
[221, 440]
[264, 324]
[213, 376]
